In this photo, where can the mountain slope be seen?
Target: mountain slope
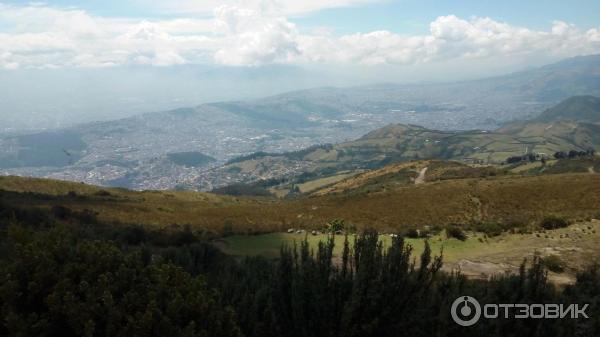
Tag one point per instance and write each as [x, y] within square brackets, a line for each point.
[555, 82]
[504, 199]
[576, 108]
[406, 174]
[401, 143]
[133, 152]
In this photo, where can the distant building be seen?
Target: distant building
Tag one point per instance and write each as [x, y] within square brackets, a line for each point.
[472, 161]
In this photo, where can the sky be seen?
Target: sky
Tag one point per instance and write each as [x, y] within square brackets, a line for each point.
[68, 33]
[44, 45]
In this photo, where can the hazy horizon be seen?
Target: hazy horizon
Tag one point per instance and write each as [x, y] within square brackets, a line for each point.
[67, 62]
[32, 102]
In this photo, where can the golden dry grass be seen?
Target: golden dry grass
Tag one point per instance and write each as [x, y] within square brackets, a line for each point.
[364, 178]
[505, 199]
[319, 183]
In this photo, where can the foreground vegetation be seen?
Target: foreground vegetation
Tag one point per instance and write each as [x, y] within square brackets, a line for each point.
[63, 281]
[82, 260]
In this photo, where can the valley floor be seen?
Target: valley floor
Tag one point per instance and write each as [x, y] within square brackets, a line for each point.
[576, 247]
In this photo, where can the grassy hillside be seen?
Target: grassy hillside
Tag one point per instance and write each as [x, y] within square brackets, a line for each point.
[406, 174]
[503, 198]
[577, 108]
[402, 143]
[580, 165]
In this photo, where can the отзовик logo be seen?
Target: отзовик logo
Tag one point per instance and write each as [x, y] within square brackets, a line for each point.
[466, 311]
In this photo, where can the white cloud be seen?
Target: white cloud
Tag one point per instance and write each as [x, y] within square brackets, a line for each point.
[39, 36]
[6, 63]
[452, 38]
[252, 38]
[593, 35]
[286, 7]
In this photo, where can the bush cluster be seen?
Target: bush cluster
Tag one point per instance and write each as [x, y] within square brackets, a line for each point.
[554, 222]
[456, 233]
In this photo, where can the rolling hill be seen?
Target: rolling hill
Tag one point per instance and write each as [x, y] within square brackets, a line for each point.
[577, 108]
[401, 143]
[450, 194]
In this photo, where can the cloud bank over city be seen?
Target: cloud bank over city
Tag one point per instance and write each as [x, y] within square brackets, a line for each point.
[64, 62]
[258, 33]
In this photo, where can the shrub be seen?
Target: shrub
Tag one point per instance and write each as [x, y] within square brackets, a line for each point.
[243, 189]
[60, 212]
[553, 263]
[86, 216]
[412, 233]
[133, 235]
[336, 225]
[93, 288]
[170, 237]
[433, 230]
[456, 233]
[184, 237]
[554, 222]
[103, 193]
[489, 228]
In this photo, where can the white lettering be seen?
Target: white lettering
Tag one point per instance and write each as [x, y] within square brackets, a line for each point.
[563, 312]
[580, 311]
[552, 311]
[486, 313]
[536, 307]
[505, 308]
[523, 309]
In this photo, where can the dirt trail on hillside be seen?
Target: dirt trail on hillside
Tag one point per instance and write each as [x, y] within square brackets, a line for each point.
[421, 178]
[480, 269]
[485, 270]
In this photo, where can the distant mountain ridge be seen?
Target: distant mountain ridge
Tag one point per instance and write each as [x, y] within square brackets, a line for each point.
[294, 121]
[577, 108]
[564, 127]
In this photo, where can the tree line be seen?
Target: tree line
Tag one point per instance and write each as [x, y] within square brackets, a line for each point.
[533, 157]
[58, 280]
